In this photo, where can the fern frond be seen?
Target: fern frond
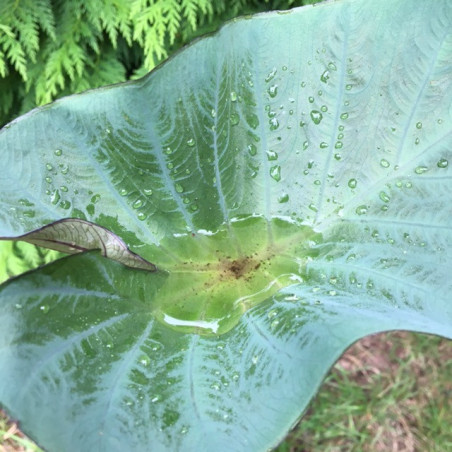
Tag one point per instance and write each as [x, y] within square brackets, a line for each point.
[206, 7]
[19, 257]
[171, 12]
[43, 13]
[11, 46]
[29, 254]
[99, 72]
[192, 8]
[27, 29]
[3, 67]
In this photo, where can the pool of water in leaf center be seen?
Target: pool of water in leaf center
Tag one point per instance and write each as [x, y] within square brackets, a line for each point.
[216, 276]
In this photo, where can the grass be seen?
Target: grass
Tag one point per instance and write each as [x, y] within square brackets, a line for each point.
[12, 439]
[389, 392]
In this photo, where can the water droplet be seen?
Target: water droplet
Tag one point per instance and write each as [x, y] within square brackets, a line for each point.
[417, 141]
[324, 108]
[443, 163]
[49, 167]
[317, 182]
[123, 192]
[270, 75]
[313, 207]
[213, 113]
[44, 308]
[419, 125]
[194, 207]
[48, 180]
[144, 360]
[233, 96]
[274, 124]
[252, 149]
[303, 84]
[64, 188]
[352, 183]
[273, 91]
[58, 152]
[235, 118]
[323, 145]
[252, 120]
[384, 196]
[325, 76]
[275, 173]
[65, 204]
[191, 142]
[148, 191]
[316, 116]
[179, 188]
[338, 145]
[283, 198]
[311, 99]
[272, 313]
[141, 216]
[272, 155]
[361, 210]
[54, 199]
[305, 145]
[338, 156]
[421, 169]
[344, 115]
[348, 87]
[384, 163]
[351, 257]
[332, 66]
[137, 204]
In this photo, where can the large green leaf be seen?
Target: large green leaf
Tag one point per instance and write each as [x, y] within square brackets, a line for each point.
[290, 178]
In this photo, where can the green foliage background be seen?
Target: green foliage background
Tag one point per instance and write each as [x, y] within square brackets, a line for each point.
[52, 48]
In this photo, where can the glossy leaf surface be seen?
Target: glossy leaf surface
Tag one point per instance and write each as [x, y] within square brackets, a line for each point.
[290, 178]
